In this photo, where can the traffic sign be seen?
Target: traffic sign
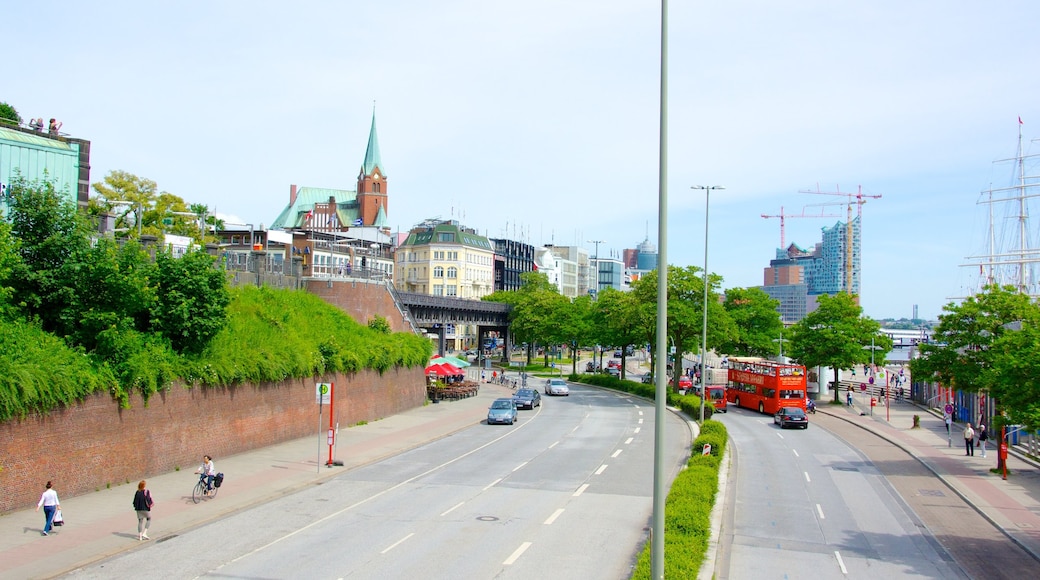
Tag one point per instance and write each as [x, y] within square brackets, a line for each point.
[323, 393]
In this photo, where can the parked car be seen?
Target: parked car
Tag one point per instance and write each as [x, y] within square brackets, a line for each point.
[648, 378]
[791, 416]
[614, 371]
[502, 411]
[685, 384]
[527, 399]
[617, 354]
[557, 387]
[614, 363]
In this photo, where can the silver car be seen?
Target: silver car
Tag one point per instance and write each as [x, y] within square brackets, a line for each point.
[557, 387]
[502, 411]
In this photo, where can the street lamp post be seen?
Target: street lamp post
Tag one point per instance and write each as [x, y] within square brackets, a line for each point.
[704, 338]
[596, 258]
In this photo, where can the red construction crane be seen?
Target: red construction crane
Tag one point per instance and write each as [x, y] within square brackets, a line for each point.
[783, 216]
[858, 199]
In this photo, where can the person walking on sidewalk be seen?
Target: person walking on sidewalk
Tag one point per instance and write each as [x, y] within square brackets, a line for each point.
[969, 441]
[49, 503]
[143, 506]
[983, 437]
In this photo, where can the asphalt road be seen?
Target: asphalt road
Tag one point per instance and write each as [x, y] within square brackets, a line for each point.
[564, 493]
[806, 504]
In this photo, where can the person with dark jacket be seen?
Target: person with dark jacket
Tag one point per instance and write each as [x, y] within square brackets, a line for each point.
[143, 506]
[983, 437]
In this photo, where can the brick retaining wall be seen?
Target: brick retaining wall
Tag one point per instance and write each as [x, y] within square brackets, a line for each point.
[91, 444]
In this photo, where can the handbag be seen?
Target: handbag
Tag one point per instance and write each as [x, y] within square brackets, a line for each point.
[58, 520]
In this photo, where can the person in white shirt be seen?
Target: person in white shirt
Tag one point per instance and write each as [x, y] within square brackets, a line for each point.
[208, 470]
[49, 503]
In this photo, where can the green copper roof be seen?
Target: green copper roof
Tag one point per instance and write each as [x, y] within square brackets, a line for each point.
[447, 233]
[372, 159]
[295, 215]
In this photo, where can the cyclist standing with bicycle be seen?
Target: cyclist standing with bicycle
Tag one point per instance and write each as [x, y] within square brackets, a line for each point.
[209, 471]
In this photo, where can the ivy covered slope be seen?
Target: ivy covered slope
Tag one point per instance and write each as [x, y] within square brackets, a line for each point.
[278, 334]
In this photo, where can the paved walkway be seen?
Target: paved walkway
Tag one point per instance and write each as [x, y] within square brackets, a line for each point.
[103, 523]
[1012, 505]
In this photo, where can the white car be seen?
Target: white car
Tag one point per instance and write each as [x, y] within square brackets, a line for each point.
[556, 387]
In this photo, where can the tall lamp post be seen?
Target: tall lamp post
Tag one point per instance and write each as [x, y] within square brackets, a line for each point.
[704, 338]
[597, 242]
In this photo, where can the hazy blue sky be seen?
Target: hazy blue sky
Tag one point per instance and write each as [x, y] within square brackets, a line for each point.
[539, 119]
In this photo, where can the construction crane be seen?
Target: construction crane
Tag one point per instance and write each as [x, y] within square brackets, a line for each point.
[783, 216]
[858, 199]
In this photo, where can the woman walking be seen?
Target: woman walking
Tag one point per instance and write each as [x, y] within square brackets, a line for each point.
[50, 505]
[143, 506]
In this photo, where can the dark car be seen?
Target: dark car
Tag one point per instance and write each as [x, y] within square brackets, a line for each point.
[648, 378]
[502, 411]
[791, 417]
[527, 399]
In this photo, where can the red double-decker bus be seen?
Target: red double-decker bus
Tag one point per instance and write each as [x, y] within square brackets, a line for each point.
[765, 385]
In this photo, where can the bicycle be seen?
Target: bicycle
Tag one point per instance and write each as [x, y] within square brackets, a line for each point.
[200, 489]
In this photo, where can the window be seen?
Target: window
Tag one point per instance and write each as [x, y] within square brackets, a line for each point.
[446, 237]
[438, 272]
[438, 289]
[451, 290]
[453, 272]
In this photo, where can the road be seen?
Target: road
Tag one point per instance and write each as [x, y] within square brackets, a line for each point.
[806, 504]
[564, 493]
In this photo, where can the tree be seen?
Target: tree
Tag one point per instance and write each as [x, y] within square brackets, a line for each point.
[191, 300]
[685, 310]
[975, 349]
[614, 313]
[1016, 375]
[51, 242]
[759, 328]
[140, 195]
[576, 326]
[835, 335]
[10, 113]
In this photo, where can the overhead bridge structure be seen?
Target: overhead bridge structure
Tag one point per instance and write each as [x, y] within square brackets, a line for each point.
[435, 313]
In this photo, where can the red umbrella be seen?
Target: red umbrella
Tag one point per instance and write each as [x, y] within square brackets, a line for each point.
[443, 369]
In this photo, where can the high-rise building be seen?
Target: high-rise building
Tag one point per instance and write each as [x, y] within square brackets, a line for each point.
[512, 259]
[797, 276]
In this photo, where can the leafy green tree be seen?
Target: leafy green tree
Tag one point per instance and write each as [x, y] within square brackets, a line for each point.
[1015, 372]
[975, 348]
[9, 260]
[10, 113]
[759, 328]
[191, 300]
[140, 195]
[52, 238]
[113, 293]
[614, 315]
[686, 310]
[379, 324]
[837, 335]
[576, 326]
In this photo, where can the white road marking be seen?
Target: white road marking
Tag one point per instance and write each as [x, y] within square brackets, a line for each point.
[453, 508]
[640, 421]
[796, 453]
[492, 484]
[629, 440]
[819, 510]
[616, 453]
[640, 412]
[581, 489]
[575, 428]
[397, 543]
[841, 563]
[519, 551]
[520, 466]
[553, 517]
[554, 444]
[807, 480]
[509, 433]
[780, 435]
[601, 469]
[637, 430]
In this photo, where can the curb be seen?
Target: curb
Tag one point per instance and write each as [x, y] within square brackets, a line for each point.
[941, 478]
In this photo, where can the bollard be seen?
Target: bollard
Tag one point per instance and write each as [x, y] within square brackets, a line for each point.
[917, 422]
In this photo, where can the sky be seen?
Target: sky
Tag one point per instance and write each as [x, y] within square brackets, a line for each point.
[540, 120]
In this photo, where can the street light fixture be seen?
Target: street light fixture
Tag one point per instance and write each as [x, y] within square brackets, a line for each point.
[704, 339]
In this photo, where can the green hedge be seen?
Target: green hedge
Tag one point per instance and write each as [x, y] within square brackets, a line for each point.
[687, 511]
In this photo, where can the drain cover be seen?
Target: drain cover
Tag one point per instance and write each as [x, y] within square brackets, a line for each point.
[487, 519]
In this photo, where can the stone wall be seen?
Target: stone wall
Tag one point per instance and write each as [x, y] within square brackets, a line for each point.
[360, 298]
[91, 444]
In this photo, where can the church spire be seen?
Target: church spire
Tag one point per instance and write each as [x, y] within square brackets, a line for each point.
[372, 159]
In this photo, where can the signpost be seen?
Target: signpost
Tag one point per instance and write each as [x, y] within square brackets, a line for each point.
[324, 394]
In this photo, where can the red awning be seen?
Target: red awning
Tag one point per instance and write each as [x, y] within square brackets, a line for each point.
[443, 369]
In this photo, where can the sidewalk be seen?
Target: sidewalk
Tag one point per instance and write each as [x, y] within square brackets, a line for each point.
[103, 523]
[1012, 505]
